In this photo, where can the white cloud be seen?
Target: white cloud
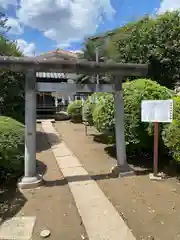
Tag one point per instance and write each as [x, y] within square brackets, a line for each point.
[64, 21]
[63, 45]
[27, 48]
[15, 27]
[169, 5]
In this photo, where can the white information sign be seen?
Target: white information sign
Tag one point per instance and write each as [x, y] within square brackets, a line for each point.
[156, 110]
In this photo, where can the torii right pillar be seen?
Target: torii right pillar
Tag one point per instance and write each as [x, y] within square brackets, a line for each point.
[122, 168]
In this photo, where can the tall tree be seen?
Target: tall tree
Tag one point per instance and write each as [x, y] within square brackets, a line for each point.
[149, 40]
[91, 46]
[11, 84]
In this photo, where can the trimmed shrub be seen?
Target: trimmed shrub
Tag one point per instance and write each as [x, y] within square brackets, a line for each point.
[90, 105]
[136, 132]
[11, 147]
[75, 110]
[103, 115]
[171, 133]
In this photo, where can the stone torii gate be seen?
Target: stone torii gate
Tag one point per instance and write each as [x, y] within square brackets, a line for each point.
[31, 65]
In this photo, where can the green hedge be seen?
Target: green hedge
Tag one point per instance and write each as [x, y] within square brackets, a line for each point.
[103, 115]
[89, 106]
[136, 132]
[11, 147]
[75, 110]
[171, 133]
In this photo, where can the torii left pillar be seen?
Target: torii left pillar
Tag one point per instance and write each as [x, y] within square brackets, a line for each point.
[30, 179]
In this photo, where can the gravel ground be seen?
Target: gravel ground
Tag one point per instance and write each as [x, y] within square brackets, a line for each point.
[151, 209]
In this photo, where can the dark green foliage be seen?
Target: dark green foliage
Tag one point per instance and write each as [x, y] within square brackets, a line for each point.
[103, 115]
[89, 49]
[75, 110]
[135, 91]
[11, 147]
[148, 40]
[171, 133]
[89, 106]
[12, 102]
[11, 84]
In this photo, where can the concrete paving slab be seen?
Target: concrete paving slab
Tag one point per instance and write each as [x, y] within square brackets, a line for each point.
[73, 170]
[77, 176]
[17, 228]
[100, 218]
[68, 161]
[61, 150]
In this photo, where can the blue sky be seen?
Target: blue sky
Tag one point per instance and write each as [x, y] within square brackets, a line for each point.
[43, 25]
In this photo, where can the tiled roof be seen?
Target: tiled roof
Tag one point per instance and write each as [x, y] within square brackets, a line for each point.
[69, 53]
[59, 53]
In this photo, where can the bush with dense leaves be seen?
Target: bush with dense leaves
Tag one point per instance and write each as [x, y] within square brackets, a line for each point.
[134, 92]
[11, 147]
[89, 106]
[136, 132]
[171, 133]
[103, 115]
[12, 102]
[75, 110]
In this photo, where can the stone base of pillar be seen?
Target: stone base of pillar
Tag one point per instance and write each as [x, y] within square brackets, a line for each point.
[122, 171]
[30, 182]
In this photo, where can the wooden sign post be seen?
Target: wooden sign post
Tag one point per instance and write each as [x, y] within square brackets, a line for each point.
[156, 137]
[156, 111]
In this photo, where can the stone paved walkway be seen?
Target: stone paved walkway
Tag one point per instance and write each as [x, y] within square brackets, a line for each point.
[50, 206]
[101, 220]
